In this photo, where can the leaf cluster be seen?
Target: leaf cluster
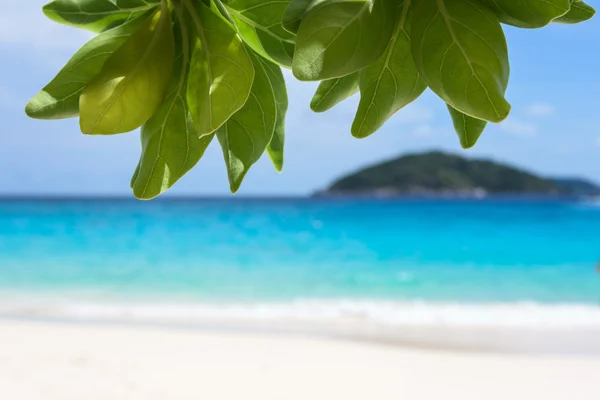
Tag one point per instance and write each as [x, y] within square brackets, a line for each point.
[186, 71]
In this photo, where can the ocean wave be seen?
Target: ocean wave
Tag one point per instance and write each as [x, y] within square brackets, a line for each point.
[383, 313]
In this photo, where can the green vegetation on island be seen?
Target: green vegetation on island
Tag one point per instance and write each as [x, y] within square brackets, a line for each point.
[438, 173]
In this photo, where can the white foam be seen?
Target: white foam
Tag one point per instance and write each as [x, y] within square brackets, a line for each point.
[386, 313]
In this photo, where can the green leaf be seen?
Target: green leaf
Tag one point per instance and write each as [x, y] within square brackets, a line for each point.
[220, 8]
[133, 81]
[332, 91]
[96, 15]
[527, 13]
[391, 82]
[460, 50]
[467, 128]
[259, 24]
[293, 14]
[247, 133]
[276, 145]
[339, 37]
[60, 98]
[171, 146]
[579, 12]
[135, 175]
[221, 71]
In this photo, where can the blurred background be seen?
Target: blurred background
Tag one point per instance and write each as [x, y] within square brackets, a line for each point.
[452, 266]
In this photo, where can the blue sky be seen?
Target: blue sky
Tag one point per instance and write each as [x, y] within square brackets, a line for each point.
[554, 127]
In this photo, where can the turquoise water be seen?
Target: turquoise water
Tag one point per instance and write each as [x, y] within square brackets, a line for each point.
[243, 251]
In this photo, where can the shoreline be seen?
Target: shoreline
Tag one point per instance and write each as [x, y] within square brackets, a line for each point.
[514, 328]
[469, 339]
[53, 360]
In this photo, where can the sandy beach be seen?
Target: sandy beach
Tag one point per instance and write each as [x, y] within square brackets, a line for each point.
[53, 360]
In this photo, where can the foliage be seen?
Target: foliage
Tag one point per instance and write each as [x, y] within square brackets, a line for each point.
[438, 172]
[186, 71]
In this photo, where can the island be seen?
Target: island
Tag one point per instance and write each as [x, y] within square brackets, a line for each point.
[442, 174]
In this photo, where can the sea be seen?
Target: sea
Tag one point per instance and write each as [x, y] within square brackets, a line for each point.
[526, 263]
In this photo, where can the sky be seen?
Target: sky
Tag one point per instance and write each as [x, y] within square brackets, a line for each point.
[553, 129]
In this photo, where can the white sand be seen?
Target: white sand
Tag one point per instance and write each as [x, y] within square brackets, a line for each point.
[41, 361]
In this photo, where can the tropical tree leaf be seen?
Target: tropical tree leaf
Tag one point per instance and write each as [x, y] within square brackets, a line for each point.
[60, 98]
[327, 29]
[467, 128]
[218, 6]
[96, 15]
[293, 14]
[133, 82]
[226, 79]
[276, 145]
[579, 12]
[391, 82]
[528, 13]
[221, 71]
[249, 131]
[171, 146]
[259, 24]
[460, 51]
[332, 91]
[135, 175]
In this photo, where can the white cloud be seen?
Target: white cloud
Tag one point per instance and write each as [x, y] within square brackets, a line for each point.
[422, 130]
[414, 113]
[540, 110]
[515, 126]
